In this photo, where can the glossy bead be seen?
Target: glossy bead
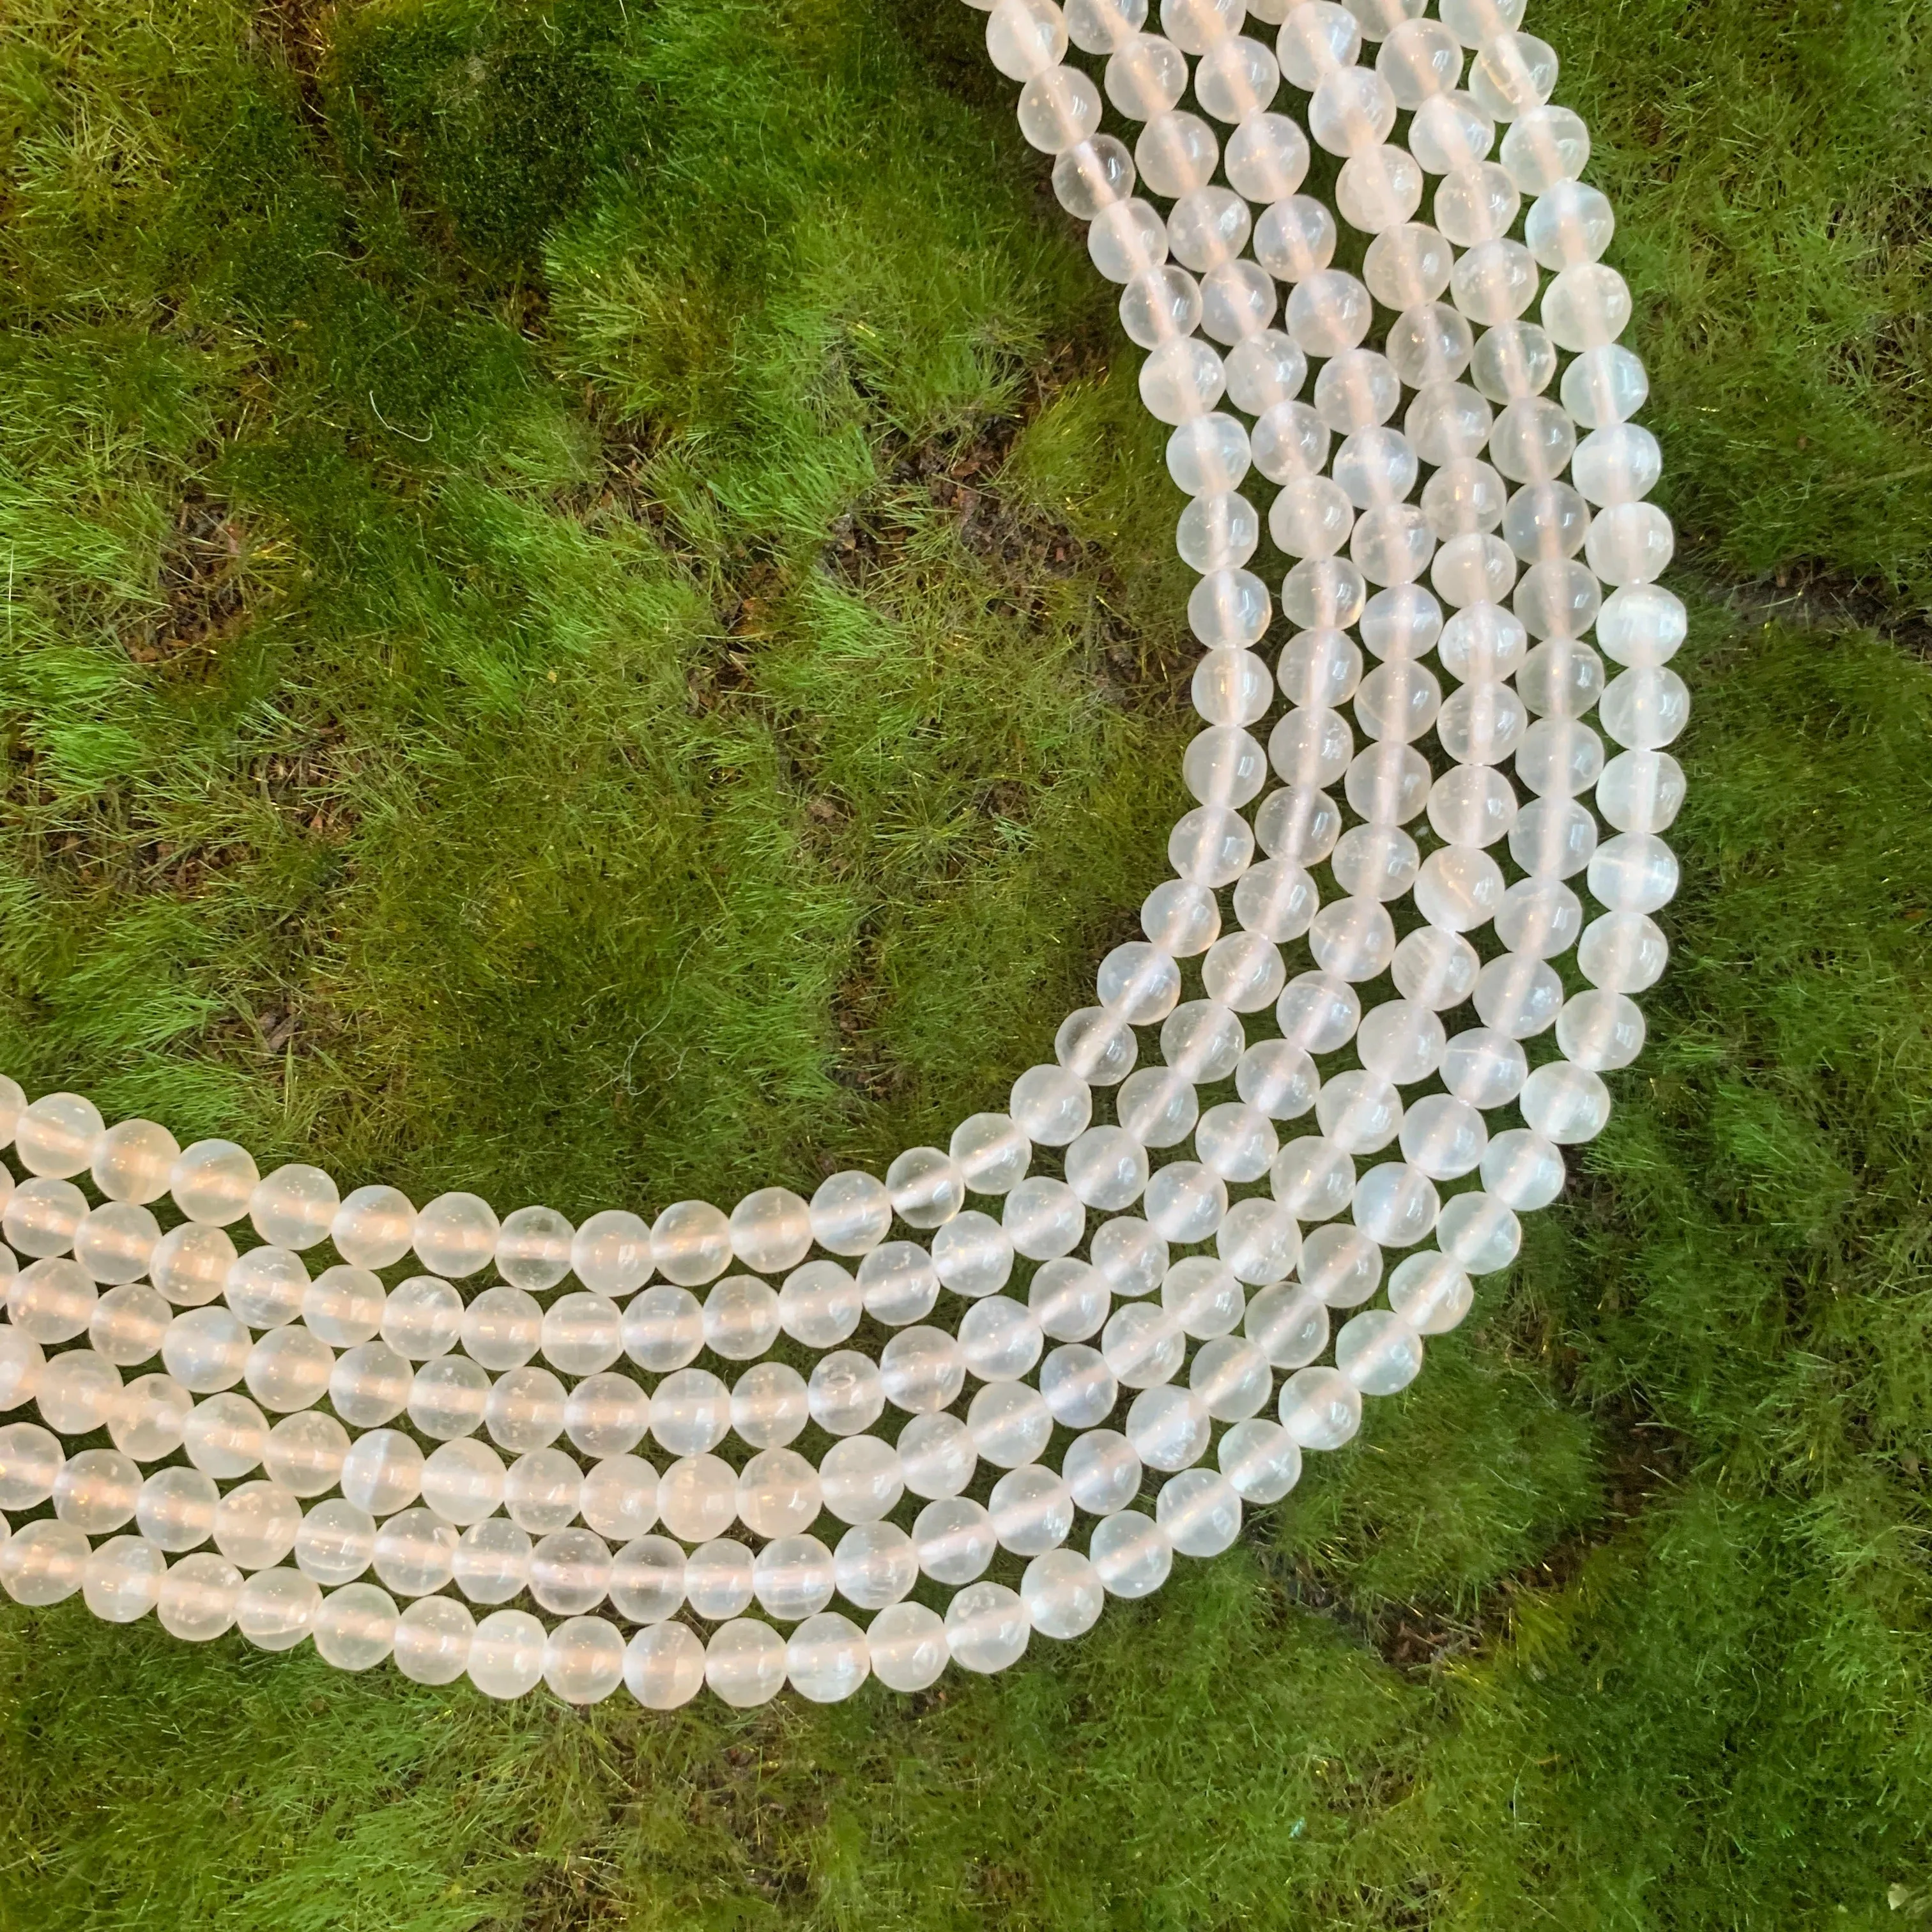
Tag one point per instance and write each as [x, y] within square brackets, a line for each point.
[372, 1227]
[611, 1253]
[507, 1653]
[663, 1666]
[354, 1627]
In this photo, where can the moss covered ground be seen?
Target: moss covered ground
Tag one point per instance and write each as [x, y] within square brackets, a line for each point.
[589, 614]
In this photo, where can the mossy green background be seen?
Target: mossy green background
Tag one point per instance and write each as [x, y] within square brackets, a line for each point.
[589, 614]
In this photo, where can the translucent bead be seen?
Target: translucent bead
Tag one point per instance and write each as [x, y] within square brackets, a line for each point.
[43, 1563]
[1586, 307]
[533, 1248]
[1176, 153]
[131, 1161]
[1408, 265]
[456, 1235]
[583, 1659]
[1545, 145]
[294, 1207]
[368, 1385]
[433, 1638]
[1522, 1170]
[1058, 109]
[1260, 1461]
[741, 1317]
[1143, 1344]
[1420, 60]
[1009, 1422]
[845, 1392]
[570, 1571]
[121, 1580]
[1395, 1204]
[851, 1213]
[506, 1654]
[1231, 687]
[1208, 454]
[611, 1254]
[1131, 1554]
[493, 1560]
[1447, 421]
[1429, 1294]
[690, 1242]
[1351, 109]
[1641, 791]
[1030, 1510]
[503, 1326]
[1126, 239]
[771, 1230]
[1078, 1387]
[619, 1498]
[863, 1478]
[986, 1627]
[1062, 1594]
[1459, 888]
[1341, 1265]
[1378, 188]
[198, 1597]
[937, 1455]
[770, 1405]
[1145, 76]
[1099, 26]
[1475, 204]
[423, 1318]
[898, 1283]
[354, 1627]
[647, 1579]
[1102, 1472]
[255, 1525]
[58, 1135]
[1024, 37]
[1442, 1137]
[1158, 1108]
[1642, 625]
[1130, 1255]
[1512, 74]
[972, 1254]
[926, 1187]
[383, 1472]
[304, 1453]
[1200, 1511]
[175, 1509]
[1449, 131]
[149, 1420]
[1092, 175]
[1356, 389]
[1230, 1378]
[96, 1490]
[1320, 1408]
[1267, 158]
[78, 1392]
[1479, 1233]
[1316, 40]
[1379, 1352]
[1605, 385]
[1352, 939]
[691, 1412]
[1646, 708]
[289, 1368]
[372, 1227]
[42, 1217]
[1565, 1103]
[1546, 522]
[226, 1435]
[463, 1481]
[1069, 1299]
[1186, 1202]
[663, 1666]
[206, 1349]
[720, 1579]
[583, 1333]
[874, 1566]
[1622, 952]
[542, 1490]
[52, 1300]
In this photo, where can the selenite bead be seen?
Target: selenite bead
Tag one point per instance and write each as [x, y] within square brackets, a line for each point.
[1545, 145]
[533, 1248]
[1600, 1031]
[53, 1300]
[897, 1283]
[1143, 1345]
[127, 1325]
[1356, 389]
[846, 1393]
[1485, 1066]
[1092, 175]
[1645, 708]
[121, 1580]
[449, 1397]
[1261, 1460]
[1560, 756]
[1231, 687]
[819, 1304]
[1320, 1408]
[305, 1452]
[96, 1490]
[662, 1328]
[937, 1455]
[1561, 678]
[149, 1417]
[1405, 265]
[647, 1579]
[1224, 765]
[422, 1319]
[1238, 304]
[1201, 1511]
[463, 1481]
[986, 1627]
[1484, 642]
[1587, 306]
[1473, 22]
[1321, 667]
[1565, 1103]
[1558, 599]
[1266, 369]
[493, 1560]
[1430, 343]
[1130, 1256]
[58, 1135]
[78, 1392]
[770, 1405]
[611, 1253]
[826, 1658]
[1298, 824]
[741, 1319]
[745, 1661]
[1315, 40]
[1449, 131]
[1378, 188]
[1058, 109]
[43, 1563]
[1482, 723]
[1176, 153]
[294, 1207]
[1343, 1265]
[1379, 1352]
[1167, 1429]
[771, 1230]
[1443, 1137]
[1201, 1040]
[1479, 1233]
[255, 1525]
[1429, 1293]
[433, 1638]
[926, 1187]
[1235, 1142]
[1181, 378]
[13, 1104]
[1126, 238]
[1068, 1298]
[999, 1341]
[455, 1235]
[383, 1472]
[1209, 453]
[333, 1542]
[1459, 888]
[42, 1217]
[1473, 805]
[1313, 1177]
[605, 1414]
[1205, 228]
[1257, 1242]
[691, 1244]
[1317, 1012]
[717, 1579]
[506, 1654]
[1267, 158]
[1096, 1046]
[1375, 861]
[1642, 625]
[266, 1287]
[1186, 1202]
[583, 1333]
[1025, 37]
[570, 1571]
[1447, 421]
[1633, 872]
[1031, 1510]
[1099, 26]
[1464, 497]
[1420, 59]
[1228, 609]
[542, 1490]
[1350, 109]
[1523, 1169]
[697, 1497]
[1180, 917]
[1512, 73]
[114, 1242]
[1009, 1423]
[1476, 203]
[1353, 939]
[663, 1666]
[1396, 1204]
[1309, 748]
[1062, 1594]
[1277, 1079]
[875, 1564]
[1102, 1471]
[289, 1368]
[1392, 544]
[175, 1508]
[198, 1597]
[1042, 1218]
[1604, 386]
[691, 1412]
[1132, 1554]
[1079, 1388]
[851, 1213]
[1622, 952]
[344, 1305]
[863, 1477]
[1244, 970]
[1617, 465]
[619, 1498]
[1552, 838]
[131, 1161]
[206, 1349]
[1291, 443]
[368, 1385]
[225, 1436]
[373, 1226]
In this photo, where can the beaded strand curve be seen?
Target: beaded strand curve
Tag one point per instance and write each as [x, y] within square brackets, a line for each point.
[1516, 521]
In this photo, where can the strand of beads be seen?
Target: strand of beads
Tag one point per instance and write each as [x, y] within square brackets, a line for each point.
[1360, 1110]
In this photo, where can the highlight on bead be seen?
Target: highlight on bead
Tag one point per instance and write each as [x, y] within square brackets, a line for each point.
[1032, 1368]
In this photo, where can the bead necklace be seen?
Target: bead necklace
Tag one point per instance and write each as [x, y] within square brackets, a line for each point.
[401, 1444]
